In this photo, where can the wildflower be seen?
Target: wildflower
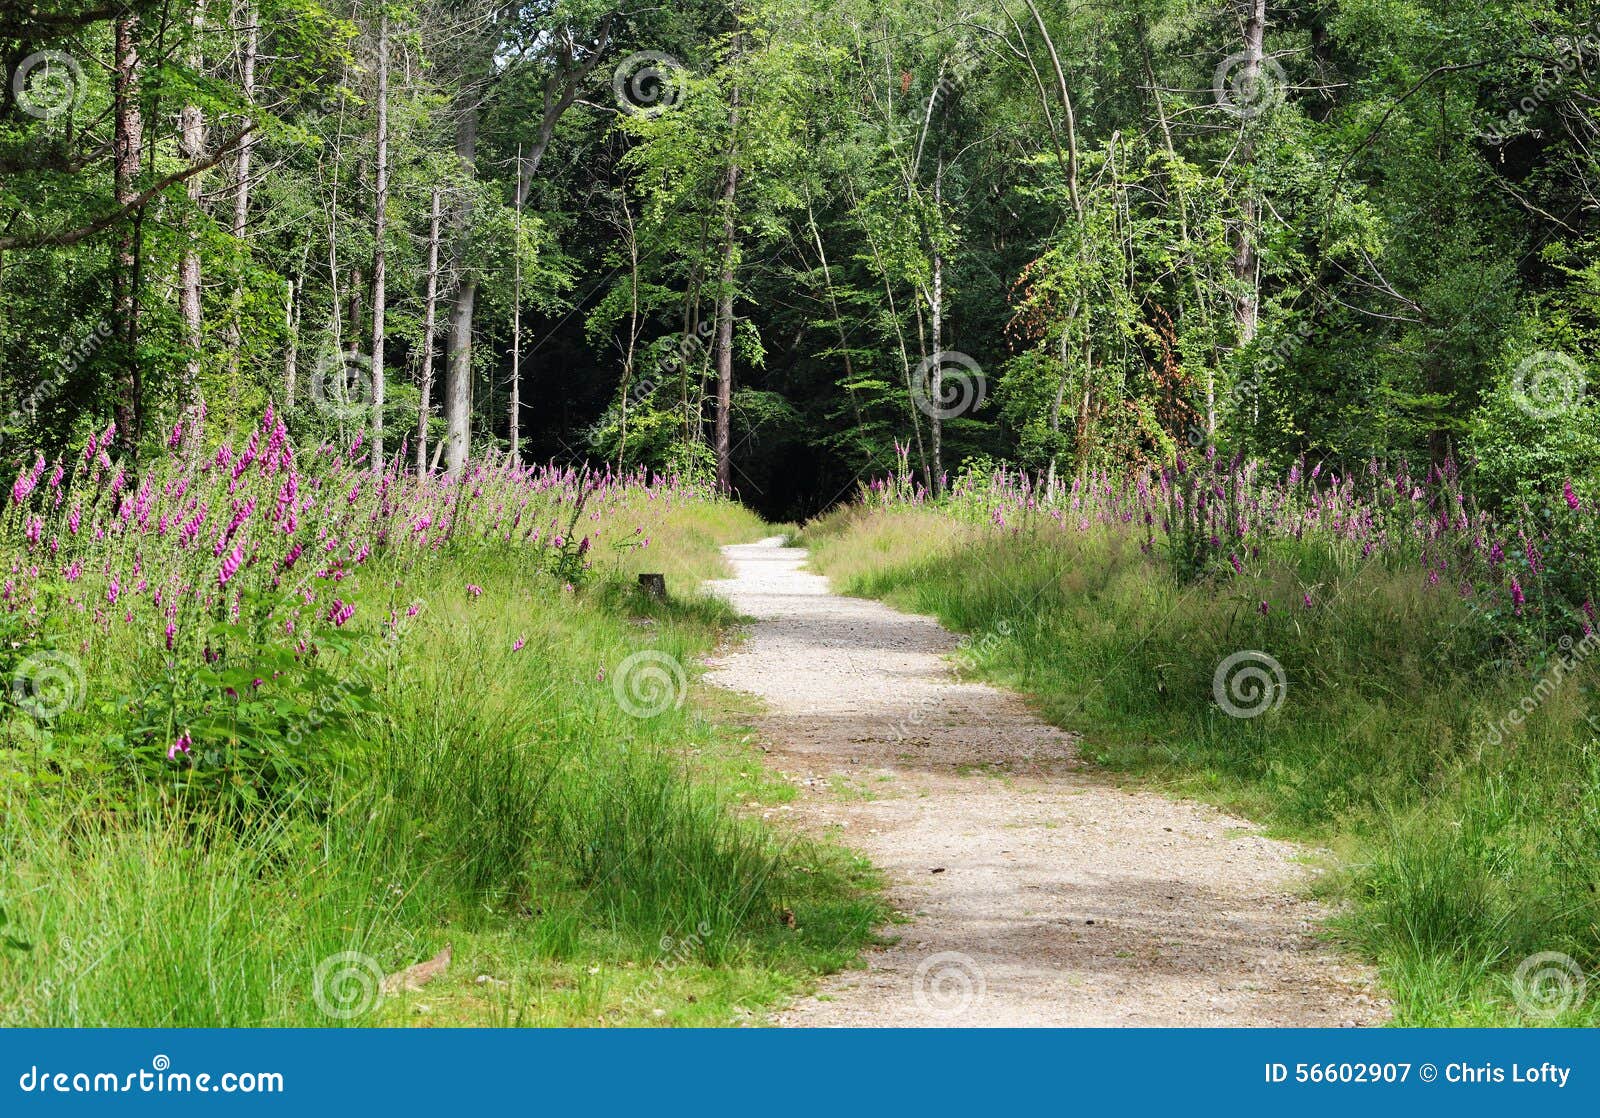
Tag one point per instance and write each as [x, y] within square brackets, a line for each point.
[474, 589]
[518, 644]
[1572, 498]
[340, 612]
[231, 565]
[1517, 596]
[1305, 600]
[1263, 608]
[181, 745]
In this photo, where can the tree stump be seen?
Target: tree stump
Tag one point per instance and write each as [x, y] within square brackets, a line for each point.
[654, 586]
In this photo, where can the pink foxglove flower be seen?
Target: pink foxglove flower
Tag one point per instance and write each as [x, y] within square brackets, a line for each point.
[231, 565]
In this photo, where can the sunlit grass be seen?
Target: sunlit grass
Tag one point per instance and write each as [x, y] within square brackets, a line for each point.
[1462, 854]
[501, 799]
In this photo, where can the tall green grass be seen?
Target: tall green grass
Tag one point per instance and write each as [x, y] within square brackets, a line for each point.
[1463, 850]
[498, 798]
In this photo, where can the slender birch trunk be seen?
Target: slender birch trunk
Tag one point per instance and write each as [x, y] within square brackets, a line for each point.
[1247, 302]
[458, 366]
[127, 140]
[192, 143]
[429, 327]
[730, 246]
[514, 430]
[380, 213]
[246, 14]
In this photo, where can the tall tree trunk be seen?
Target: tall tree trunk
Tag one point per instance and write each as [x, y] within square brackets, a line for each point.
[192, 142]
[631, 238]
[730, 188]
[291, 326]
[1246, 303]
[514, 419]
[430, 305]
[127, 140]
[241, 193]
[936, 366]
[353, 315]
[380, 208]
[458, 365]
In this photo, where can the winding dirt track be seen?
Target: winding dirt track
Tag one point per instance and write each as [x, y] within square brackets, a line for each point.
[1037, 893]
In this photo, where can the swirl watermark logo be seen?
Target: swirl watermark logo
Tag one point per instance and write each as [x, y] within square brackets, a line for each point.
[649, 683]
[161, 1063]
[648, 83]
[47, 684]
[47, 83]
[1249, 683]
[1247, 91]
[948, 386]
[947, 984]
[1548, 984]
[347, 985]
[1548, 384]
[341, 385]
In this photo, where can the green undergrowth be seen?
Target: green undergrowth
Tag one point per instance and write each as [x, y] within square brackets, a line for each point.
[585, 863]
[1465, 840]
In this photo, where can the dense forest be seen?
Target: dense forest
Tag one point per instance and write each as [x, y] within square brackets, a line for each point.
[776, 244]
[391, 392]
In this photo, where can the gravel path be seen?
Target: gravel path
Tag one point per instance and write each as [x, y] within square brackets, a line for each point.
[1037, 892]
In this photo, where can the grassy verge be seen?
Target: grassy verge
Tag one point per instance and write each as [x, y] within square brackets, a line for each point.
[574, 837]
[1466, 838]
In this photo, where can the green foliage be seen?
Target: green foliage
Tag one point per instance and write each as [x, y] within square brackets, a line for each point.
[1460, 795]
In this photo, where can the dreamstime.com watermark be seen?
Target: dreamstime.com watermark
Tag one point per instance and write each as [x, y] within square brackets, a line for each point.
[1563, 666]
[1548, 384]
[1248, 387]
[948, 385]
[347, 984]
[648, 683]
[690, 347]
[47, 83]
[675, 953]
[69, 362]
[648, 83]
[157, 1079]
[1548, 984]
[948, 984]
[341, 385]
[70, 959]
[1246, 92]
[970, 658]
[47, 684]
[1249, 683]
[1572, 55]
